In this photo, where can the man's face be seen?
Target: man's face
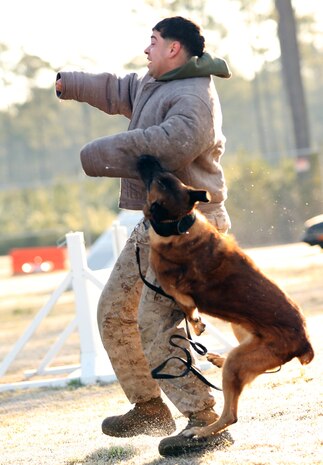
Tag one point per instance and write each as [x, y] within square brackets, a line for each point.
[158, 53]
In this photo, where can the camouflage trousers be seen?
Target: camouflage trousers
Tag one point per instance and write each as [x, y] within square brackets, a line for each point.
[136, 324]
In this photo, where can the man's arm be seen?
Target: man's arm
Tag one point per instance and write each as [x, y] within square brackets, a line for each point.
[176, 142]
[104, 91]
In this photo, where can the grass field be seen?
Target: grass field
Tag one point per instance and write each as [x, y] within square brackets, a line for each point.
[280, 415]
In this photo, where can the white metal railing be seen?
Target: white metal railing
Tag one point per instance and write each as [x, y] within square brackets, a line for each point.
[87, 286]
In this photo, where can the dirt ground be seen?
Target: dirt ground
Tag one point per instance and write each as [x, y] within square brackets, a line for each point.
[280, 415]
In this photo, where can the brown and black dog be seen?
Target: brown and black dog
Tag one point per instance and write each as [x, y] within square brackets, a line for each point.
[206, 271]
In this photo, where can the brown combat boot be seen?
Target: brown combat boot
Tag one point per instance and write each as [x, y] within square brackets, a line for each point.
[179, 444]
[152, 418]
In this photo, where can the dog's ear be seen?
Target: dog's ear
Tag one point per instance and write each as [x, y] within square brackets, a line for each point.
[197, 195]
[148, 166]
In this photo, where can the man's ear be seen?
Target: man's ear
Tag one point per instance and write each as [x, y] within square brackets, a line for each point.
[174, 48]
[197, 195]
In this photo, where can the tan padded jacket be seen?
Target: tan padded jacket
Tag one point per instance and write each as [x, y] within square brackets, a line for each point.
[177, 119]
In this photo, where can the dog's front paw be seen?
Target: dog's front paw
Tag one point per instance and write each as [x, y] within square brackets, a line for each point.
[217, 359]
[198, 326]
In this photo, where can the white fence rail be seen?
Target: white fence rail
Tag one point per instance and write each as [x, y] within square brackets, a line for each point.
[87, 286]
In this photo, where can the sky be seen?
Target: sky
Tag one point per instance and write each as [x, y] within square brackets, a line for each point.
[103, 35]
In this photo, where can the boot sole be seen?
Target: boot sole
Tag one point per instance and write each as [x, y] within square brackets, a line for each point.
[181, 445]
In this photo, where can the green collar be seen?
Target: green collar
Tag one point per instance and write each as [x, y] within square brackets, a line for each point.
[203, 66]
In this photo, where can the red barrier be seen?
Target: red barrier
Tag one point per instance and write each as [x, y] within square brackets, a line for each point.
[37, 259]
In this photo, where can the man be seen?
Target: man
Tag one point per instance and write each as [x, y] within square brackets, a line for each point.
[174, 115]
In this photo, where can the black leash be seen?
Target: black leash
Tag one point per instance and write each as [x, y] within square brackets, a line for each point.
[151, 286]
[197, 346]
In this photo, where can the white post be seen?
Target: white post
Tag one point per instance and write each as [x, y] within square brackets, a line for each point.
[95, 363]
[119, 236]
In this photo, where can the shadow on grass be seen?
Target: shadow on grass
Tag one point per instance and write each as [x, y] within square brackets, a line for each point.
[116, 455]
[192, 459]
[106, 455]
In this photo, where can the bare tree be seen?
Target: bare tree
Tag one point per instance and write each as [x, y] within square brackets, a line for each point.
[291, 69]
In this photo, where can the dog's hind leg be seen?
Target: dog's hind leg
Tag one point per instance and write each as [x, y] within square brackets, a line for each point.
[243, 365]
[240, 333]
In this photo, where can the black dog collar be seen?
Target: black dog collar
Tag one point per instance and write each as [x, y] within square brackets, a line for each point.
[174, 228]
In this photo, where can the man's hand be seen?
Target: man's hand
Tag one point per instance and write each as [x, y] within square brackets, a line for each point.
[58, 85]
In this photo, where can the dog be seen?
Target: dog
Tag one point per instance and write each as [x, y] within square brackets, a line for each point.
[206, 271]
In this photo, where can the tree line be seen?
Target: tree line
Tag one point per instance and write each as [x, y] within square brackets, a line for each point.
[44, 193]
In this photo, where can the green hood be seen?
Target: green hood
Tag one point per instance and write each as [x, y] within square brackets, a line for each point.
[203, 66]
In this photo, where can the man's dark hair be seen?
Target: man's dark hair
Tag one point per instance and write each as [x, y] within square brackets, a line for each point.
[183, 30]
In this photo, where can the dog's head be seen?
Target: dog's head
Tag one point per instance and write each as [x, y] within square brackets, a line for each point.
[167, 197]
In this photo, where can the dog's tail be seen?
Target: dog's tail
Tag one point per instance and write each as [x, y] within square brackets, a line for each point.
[307, 354]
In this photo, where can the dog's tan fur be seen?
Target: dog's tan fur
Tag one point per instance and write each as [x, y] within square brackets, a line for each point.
[205, 270]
